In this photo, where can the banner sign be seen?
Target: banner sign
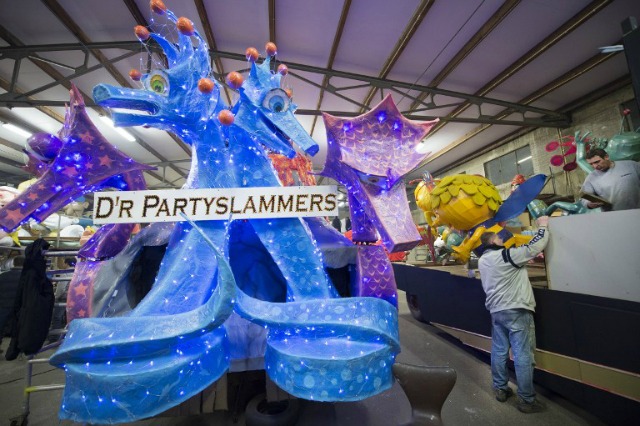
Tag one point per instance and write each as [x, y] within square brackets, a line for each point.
[214, 204]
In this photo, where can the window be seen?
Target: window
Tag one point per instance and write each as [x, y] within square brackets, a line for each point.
[502, 169]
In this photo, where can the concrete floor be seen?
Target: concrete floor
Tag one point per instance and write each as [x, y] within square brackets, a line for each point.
[470, 403]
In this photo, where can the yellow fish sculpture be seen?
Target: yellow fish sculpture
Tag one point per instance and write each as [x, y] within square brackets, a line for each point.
[471, 203]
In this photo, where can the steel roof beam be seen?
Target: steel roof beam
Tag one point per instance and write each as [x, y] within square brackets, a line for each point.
[577, 71]
[8, 162]
[208, 32]
[272, 21]
[551, 118]
[572, 106]
[141, 20]
[486, 120]
[332, 56]
[563, 30]
[504, 10]
[6, 98]
[386, 83]
[60, 12]
[411, 28]
[14, 146]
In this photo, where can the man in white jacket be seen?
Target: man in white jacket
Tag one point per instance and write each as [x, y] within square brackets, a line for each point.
[511, 303]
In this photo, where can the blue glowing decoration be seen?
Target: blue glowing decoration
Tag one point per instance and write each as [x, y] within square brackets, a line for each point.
[325, 349]
[185, 334]
[179, 353]
[48, 154]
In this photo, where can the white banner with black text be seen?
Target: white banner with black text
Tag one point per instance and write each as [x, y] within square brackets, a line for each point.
[214, 204]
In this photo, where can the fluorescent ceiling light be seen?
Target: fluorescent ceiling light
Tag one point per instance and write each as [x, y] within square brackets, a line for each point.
[422, 148]
[128, 136]
[611, 49]
[524, 159]
[16, 129]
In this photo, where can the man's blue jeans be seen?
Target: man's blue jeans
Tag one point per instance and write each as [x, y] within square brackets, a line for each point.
[513, 328]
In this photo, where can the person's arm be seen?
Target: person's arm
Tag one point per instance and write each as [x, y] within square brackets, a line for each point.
[588, 188]
[519, 256]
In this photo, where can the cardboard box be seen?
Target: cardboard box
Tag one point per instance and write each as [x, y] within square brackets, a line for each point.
[525, 218]
[515, 229]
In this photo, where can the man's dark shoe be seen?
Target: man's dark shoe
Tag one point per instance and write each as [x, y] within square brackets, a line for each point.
[531, 407]
[502, 395]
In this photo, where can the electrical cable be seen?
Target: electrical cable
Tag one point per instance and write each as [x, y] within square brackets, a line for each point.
[442, 50]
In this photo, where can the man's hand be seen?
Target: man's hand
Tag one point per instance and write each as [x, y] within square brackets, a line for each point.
[542, 221]
[593, 204]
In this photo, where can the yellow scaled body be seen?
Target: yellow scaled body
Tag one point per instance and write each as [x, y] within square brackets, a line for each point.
[462, 202]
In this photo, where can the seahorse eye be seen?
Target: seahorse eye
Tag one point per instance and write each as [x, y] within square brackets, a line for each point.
[276, 100]
[158, 83]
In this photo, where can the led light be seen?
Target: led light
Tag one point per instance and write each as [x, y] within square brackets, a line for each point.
[128, 136]
[524, 159]
[16, 129]
[422, 148]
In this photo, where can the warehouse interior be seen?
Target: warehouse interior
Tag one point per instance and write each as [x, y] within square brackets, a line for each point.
[510, 87]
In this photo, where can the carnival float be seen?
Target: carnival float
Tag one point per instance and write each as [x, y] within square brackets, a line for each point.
[233, 294]
[241, 294]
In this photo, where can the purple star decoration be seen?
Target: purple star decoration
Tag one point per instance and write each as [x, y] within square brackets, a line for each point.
[369, 155]
[76, 161]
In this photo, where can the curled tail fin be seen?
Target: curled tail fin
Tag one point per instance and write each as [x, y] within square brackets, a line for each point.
[132, 367]
[326, 349]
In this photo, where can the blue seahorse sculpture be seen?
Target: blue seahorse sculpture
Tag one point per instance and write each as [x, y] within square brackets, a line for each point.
[183, 335]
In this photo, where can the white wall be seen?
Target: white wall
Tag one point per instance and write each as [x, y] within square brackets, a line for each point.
[603, 261]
